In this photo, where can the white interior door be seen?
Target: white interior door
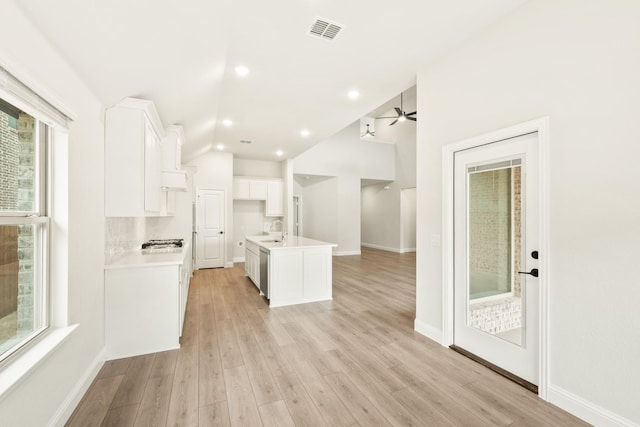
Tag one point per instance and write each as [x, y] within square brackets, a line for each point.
[496, 238]
[210, 229]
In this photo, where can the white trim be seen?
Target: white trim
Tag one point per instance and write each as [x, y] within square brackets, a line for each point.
[228, 265]
[584, 409]
[30, 357]
[238, 259]
[540, 125]
[427, 330]
[346, 253]
[25, 78]
[388, 248]
[72, 400]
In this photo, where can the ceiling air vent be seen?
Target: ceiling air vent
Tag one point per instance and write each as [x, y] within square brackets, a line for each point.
[325, 29]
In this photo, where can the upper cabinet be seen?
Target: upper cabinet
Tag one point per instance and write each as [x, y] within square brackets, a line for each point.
[133, 159]
[249, 188]
[173, 179]
[274, 206]
[270, 190]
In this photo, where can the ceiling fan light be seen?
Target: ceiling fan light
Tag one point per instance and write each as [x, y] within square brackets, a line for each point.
[402, 118]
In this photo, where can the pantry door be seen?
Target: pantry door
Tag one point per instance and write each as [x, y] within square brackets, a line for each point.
[210, 229]
[496, 244]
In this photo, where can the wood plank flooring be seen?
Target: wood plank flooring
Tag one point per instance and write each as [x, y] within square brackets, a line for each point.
[353, 361]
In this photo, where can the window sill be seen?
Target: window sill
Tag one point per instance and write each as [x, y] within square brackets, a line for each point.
[20, 368]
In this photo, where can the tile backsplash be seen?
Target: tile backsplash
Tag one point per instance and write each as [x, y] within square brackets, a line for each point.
[126, 234]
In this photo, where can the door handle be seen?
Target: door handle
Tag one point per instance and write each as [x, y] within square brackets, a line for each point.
[222, 232]
[533, 272]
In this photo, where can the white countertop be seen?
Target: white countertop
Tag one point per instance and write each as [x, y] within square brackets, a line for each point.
[136, 258]
[290, 242]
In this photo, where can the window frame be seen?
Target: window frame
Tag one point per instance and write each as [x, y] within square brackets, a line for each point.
[40, 219]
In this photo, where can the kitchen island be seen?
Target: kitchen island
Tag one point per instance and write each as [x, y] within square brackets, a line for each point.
[298, 269]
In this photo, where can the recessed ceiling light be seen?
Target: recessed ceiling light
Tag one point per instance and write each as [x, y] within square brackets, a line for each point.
[353, 94]
[227, 122]
[241, 70]
[304, 132]
[220, 147]
[279, 153]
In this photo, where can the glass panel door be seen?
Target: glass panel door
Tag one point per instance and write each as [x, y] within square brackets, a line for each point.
[494, 239]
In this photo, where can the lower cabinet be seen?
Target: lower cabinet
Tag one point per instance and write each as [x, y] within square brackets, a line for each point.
[252, 262]
[145, 308]
[300, 275]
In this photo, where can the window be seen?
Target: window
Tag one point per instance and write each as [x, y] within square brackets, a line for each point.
[24, 228]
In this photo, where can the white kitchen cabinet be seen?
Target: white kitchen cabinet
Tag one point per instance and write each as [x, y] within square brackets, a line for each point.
[300, 275]
[271, 190]
[249, 189]
[173, 179]
[252, 262]
[172, 147]
[299, 269]
[274, 205]
[142, 310]
[133, 159]
[145, 305]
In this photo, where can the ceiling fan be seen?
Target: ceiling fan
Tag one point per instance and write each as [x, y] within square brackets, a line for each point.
[402, 115]
[368, 132]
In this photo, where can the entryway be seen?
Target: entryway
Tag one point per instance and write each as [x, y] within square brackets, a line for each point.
[495, 283]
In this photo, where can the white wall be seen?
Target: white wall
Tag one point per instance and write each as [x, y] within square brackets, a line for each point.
[408, 219]
[319, 211]
[214, 170]
[36, 400]
[248, 220]
[578, 62]
[247, 167]
[349, 159]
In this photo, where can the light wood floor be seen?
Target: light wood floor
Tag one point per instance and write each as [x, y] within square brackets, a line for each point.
[353, 361]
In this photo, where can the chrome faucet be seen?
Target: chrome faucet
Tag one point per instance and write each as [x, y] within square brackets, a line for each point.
[277, 221]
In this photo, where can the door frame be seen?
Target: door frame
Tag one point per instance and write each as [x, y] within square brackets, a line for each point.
[540, 125]
[225, 213]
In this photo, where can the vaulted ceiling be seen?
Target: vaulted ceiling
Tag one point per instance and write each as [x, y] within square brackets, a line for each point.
[182, 55]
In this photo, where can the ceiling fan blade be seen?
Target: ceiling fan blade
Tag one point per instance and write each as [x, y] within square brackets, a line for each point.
[394, 117]
[399, 111]
[411, 114]
[413, 119]
[393, 122]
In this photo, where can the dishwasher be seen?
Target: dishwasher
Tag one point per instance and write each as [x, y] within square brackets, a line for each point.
[264, 272]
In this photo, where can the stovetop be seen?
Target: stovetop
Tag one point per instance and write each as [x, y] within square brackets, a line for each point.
[163, 243]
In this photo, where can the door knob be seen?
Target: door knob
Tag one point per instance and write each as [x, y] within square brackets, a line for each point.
[222, 232]
[533, 272]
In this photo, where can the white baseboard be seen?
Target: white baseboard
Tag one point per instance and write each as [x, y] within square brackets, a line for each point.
[228, 265]
[387, 248]
[346, 253]
[584, 409]
[238, 259]
[72, 400]
[428, 331]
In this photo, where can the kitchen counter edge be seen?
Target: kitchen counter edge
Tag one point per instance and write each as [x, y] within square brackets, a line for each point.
[135, 258]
